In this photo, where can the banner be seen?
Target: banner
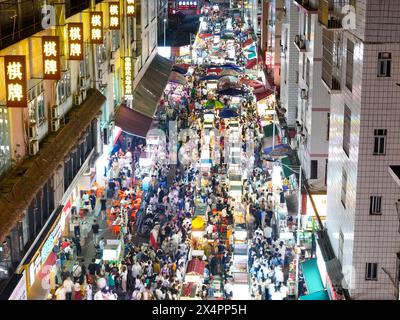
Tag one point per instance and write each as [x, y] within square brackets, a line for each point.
[51, 58]
[16, 83]
[96, 27]
[130, 8]
[114, 15]
[75, 41]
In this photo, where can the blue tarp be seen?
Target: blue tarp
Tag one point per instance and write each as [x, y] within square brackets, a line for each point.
[312, 276]
[279, 146]
[320, 295]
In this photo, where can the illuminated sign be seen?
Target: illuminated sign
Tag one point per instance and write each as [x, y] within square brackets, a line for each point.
[96, 27]
[130, 8]
[128, 76]
[114, 15]
[15, 75]
[75, 41]
[51, 58]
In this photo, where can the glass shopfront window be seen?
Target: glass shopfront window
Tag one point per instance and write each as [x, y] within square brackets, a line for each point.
[5, 159]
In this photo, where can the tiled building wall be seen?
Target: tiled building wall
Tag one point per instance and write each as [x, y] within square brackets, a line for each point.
[290, 65]
[313, 112]
[377, 238]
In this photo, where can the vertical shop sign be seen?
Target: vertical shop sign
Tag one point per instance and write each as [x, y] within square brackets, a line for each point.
[75, 41]
[96, 27]
[51, 58]
[114, 15]
[130, 8]
[128, 76]
[15, 75]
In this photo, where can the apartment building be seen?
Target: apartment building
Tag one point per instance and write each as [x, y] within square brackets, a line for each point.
[313, 101]
[361, 73]
[48, 147]
[273, 54]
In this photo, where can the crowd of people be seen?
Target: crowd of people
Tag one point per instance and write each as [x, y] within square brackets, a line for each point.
[153, 220]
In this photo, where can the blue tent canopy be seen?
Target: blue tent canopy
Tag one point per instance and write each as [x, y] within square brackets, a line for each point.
[228, 113]
[231, 66]
[231, 92]
[179, 70]
[210, 77]
[268, 150]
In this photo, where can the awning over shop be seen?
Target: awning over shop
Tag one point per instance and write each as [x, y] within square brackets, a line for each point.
[286, 170]
[264, 95]
[150, 88]
[132, 121]
[20, 186]
[269, 131]
[320, 295]
[251, 64]
[312, 276]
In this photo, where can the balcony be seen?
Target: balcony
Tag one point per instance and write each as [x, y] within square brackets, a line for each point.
[329, 14]
[300, 43]
[308, 6]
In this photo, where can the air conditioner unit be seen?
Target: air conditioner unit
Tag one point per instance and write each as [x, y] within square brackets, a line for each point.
[32, 131]
[54, 112]
[83, 95]
[77, 100]
[111, 68]
[55, 125]
[304, 94]
[33, 147]
[82, 82]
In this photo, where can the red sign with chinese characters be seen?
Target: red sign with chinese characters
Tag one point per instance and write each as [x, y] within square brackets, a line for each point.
[51, 58]
[75, 41]
[96, 27]
[15, 75]
[113, 9]
[130, 8]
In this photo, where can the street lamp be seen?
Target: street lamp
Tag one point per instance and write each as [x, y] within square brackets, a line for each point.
[165, 32]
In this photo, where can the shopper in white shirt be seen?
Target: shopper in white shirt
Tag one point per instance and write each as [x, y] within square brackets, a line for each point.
[68, 285]
[60, 293]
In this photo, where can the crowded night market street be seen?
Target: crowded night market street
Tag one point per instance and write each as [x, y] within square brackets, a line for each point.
[208, 226]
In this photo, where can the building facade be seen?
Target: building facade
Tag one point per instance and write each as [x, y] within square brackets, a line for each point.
[313, 101]
[360, 71]
[49, 148]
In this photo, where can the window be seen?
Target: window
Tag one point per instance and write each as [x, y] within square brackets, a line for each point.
[25, 229]
[344, 187]
[36, 107]
[380, 141]
[346, 130]
[5, 157]
[304, 66]
[349, 65]
[341, 243]
[371, 271]
[326, 171]
[384, 64]
[64, 87]
[304, 24]
[375, 205]
[308, 73]
[309, 28]
[314, 169]
[328, 126]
